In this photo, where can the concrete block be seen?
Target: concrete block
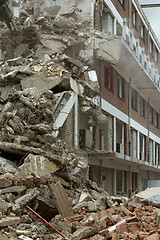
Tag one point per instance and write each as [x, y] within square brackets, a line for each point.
[3, 206]
[92, 206]
[63, 205]
[82, 233]
[6, 180]
[8, 221]
[37, 164]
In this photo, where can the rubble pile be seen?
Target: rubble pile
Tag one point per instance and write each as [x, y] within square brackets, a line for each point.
[46, 62]
[77, 208]
[67, 201]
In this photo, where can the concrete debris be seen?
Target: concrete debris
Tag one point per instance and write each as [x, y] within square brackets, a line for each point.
[37, 165]
[62, 202]
[45, 67]
[67, 8]
[25, 238]
[22, 201]
[6, 180]
[7, 221]
[150, 196]
[119, 216]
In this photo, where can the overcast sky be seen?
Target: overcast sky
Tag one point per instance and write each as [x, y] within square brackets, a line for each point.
[153, 15]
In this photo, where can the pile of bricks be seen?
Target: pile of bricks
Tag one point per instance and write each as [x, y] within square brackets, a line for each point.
[137, 221]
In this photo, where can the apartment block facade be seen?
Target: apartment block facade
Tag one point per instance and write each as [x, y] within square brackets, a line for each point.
[130, 93]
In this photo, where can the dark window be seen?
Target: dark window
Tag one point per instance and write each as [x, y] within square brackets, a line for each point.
[156, 55]
[150, 114]
[151, 47]
[156, 119]
[142, 31]
[142, 107]
[134, 99]
[134, 16]
[108, 78]
[121, 87]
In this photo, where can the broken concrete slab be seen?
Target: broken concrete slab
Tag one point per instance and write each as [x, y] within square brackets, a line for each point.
[63, 205]
[7, 166]
[92, 206]
[3, 206]
[6, 180]
[105, 50]
[14, 189]
[13, 71]
[67, 8]
[83, 232]
[150, 195]
[9, 221]
[85, 196]
[40, 81]
[65, 23]
[38, 165]
[52, 10]
[53, 45]
[21, 150]
[25, 199]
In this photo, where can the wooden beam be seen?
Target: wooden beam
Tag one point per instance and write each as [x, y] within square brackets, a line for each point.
[150, 5]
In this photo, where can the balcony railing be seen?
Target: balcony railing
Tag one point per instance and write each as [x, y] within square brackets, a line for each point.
[139, 53]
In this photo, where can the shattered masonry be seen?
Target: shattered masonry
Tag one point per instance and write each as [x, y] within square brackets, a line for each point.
[40, 81]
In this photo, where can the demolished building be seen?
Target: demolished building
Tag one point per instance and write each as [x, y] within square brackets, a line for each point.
[79, 90]
[71, 67]
[79, 87]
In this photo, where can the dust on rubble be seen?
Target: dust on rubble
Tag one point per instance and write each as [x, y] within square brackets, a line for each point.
[46, 59]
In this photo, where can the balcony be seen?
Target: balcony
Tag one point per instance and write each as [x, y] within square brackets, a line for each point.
[130, 60]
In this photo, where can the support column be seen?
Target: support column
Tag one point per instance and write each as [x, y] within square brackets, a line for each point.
[134, 144]
[97, 137]
[115, 27]
[130, 184]
[157, 154]
[123, 138]
[122, 133]
[109, 134]
[114, 134]
[114, 182]
[154, 151]
[150, 151]
[138, 182]
[138, 146]
[133, 181]
[126, 140]
[143, 148]
[122, 181]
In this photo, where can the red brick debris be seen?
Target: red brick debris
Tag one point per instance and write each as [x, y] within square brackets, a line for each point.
[128, 222]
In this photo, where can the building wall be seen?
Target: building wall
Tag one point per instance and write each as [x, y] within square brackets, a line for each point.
[94, 174]
[67, 132]
[108, 183]
[145, 175]
[111, 96]
[123, 11]
[135, 180]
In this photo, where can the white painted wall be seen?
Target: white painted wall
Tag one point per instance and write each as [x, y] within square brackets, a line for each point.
[153, 183]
